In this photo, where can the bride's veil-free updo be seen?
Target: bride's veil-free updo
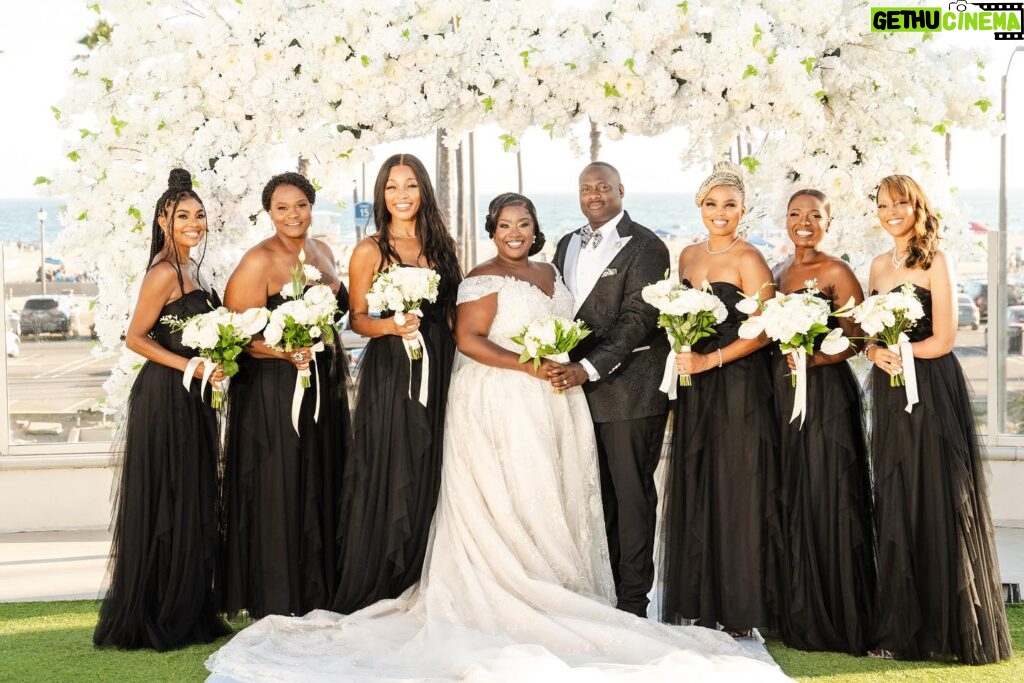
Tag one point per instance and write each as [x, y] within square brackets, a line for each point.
[724, 173]
[514, 199]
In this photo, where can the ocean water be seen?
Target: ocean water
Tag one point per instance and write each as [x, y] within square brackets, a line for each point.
[670, 214]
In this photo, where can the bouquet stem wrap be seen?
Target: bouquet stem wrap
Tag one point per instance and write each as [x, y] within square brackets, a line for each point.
[416, 349]
[301, 383]
[799, 379]
[217, 397]
[668, 378]
[558, 358]
[908, 377]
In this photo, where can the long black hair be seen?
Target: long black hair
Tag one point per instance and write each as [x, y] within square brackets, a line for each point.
[179, 187]
[436, 243]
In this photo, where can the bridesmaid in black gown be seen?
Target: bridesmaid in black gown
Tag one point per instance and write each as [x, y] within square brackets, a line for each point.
[939, 590]
[393, 473]
[828, 569]
[165, 524]
[281, 488]
[720, 515]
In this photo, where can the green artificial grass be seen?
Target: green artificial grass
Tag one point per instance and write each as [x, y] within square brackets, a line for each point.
[52, 641]
[831, 667]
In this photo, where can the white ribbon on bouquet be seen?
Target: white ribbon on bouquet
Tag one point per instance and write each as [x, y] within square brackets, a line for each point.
[800, 395]
[416, 349]
[300, 390]
[208, 370]
[669, 378]
[906, 352]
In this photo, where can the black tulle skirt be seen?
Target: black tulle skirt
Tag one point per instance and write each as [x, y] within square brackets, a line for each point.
[165, 522]
[939, 590]
[828, 565]
[393, 473]
[720, 506]
[281, 489]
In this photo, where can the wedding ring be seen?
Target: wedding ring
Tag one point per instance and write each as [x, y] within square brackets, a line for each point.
[297, 356]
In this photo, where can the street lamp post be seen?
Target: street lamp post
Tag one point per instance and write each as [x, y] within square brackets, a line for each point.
[42, 247]
[997, 282]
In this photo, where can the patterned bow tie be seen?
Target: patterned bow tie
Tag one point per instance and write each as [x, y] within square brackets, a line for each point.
[590, 236]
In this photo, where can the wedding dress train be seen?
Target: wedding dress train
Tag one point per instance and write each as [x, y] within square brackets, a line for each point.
[517, 584]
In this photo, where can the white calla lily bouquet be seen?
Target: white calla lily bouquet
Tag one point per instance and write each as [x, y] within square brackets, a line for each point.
[552, 338]
[686, 314]
[795, 321]
[403, 290]
[219, 336]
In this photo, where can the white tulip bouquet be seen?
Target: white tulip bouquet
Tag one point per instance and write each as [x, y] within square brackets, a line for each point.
[687, 315]
[552, 338]
[219, 337]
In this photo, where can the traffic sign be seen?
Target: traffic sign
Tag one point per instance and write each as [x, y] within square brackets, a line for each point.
[364, 212]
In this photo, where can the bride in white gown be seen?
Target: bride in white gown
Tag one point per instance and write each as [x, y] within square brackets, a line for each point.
[517, 584]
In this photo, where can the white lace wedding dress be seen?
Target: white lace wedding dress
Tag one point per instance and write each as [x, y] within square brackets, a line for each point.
[517, 584]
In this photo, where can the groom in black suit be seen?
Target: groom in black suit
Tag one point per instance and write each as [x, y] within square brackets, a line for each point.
[606, 264]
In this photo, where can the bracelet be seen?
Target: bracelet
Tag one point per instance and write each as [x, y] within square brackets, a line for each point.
[719, 357]
[867, 350]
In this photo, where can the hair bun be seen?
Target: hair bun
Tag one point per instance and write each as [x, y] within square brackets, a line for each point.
[179, 179]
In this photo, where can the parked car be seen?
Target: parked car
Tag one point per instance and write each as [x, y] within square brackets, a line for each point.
[978, 291]
[968, 314]
[45, 313]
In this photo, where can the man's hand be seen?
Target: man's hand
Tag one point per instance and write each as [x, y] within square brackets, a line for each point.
[568, 376]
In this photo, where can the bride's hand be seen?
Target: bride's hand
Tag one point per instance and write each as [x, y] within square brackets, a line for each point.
[690, 363]
[547, 366]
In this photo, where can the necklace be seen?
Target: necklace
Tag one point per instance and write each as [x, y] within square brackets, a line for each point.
[708, 249]
[897, 263]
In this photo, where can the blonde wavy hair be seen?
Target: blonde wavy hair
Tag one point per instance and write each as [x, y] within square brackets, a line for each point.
[927, 233]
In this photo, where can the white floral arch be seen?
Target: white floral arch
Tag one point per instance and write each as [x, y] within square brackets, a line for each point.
[221, 87]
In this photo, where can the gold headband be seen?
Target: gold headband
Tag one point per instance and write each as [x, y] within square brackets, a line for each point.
[724, 173]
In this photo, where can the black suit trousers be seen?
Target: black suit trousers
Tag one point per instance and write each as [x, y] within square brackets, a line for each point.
[628, 453]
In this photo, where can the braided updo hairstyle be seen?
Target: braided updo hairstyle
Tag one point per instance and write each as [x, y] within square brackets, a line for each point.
[514, 199]
[179, 187]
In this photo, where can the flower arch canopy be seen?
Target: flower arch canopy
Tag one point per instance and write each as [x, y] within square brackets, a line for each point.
[222, 87]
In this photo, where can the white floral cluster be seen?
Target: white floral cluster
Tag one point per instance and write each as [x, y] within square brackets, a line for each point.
[676, 299]
[205, 331]
[793, 320]
[885, 316]
[548, 337]
[403, 290]
[224, 88]
[315, 312]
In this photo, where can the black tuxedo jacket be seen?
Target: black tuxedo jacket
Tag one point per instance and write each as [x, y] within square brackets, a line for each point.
[623, 324]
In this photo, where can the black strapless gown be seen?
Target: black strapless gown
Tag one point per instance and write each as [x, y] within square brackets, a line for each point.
[165, 525]
[828, 566]
[720, 505]
[393, 473]
[939, 590]
[281, 489]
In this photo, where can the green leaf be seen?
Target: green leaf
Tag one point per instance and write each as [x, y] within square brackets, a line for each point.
[940, 129]
[95, 7]
[983, 104]
[629, 64]
[525, 54]
[550, 128]
[685, 6]
[572, 66]
[611, 91]
[750, 163]
[134, 213]
[42, 180]
[771, 58]
[508, 141]
[821, 95]
[137, 228]
[912, 51]
[108, 83]
[751, 71]
[365, 60]
[757, 35]
[56, 112]
[73, 155]
[161, 125]
[85, 133]
[488, 103]
[118, 125]
[405, 33]
[809, 63]
[84, 216]
[316, 186]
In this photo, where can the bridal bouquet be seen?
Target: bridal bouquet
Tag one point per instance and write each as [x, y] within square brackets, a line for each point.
[887, 318]
[403, 290]
[687, 315]
[219, 336]
[552, 338]
[794, 321]
[306, 319]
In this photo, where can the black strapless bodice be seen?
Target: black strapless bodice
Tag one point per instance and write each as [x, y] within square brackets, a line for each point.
[192, 303]
[727, 331]
[923, 328]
